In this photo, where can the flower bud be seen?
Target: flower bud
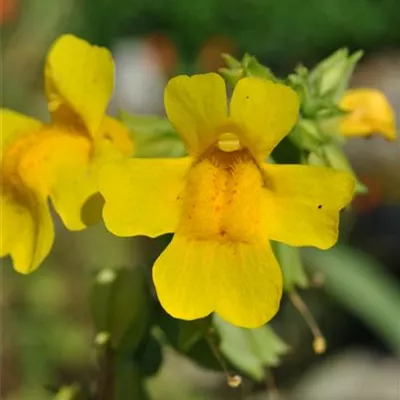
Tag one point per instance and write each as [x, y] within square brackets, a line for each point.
[331, 76]
[248, 66]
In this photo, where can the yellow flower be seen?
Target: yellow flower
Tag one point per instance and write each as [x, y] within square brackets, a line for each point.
[223, 201]
[369, 112]
[58, 160]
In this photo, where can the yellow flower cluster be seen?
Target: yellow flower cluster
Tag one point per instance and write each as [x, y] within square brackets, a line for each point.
[57, 160]
[223, 201]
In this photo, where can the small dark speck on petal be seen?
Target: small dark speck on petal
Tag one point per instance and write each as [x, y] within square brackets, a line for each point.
[247, 97]
[320, 206]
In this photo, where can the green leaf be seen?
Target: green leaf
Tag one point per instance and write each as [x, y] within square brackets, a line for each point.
[268, 345]
[182, 334]
[121, 306]
[202, 354]
[361, 284]
[189, 338]
[131, 309]
[250, 350]
[153, 136]
[128, 383]
[149, 356]
[292, 267]
[191, 332]
[146, 124]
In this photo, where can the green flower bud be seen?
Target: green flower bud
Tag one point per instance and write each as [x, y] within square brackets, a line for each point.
[331, 76]
[253, 68]
[231, 76]
[231, 62]
[248, 66]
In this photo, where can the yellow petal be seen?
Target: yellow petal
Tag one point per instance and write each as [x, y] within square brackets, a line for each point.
[49, 160]
[62, 163]
[14, 124]
[370, 112]
[74, 183]
[302, 204]
[27, 232]
[117, 134]
[78, 82]
[241, 282]
[265, 112]
[76, 171]
[196, 107]
[143, 195]
[45, 159]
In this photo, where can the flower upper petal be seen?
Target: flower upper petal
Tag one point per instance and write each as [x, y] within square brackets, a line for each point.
[241, 282]
[370, 112]
[27, 232]
[197, 107]
[143, 196]
[265, 112]
[79, 80]
[302, 204]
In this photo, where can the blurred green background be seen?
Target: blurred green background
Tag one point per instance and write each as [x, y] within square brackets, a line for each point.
[47, 330]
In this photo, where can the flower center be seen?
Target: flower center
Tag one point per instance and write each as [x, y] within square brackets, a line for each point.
[30, 160]
[223, 195]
